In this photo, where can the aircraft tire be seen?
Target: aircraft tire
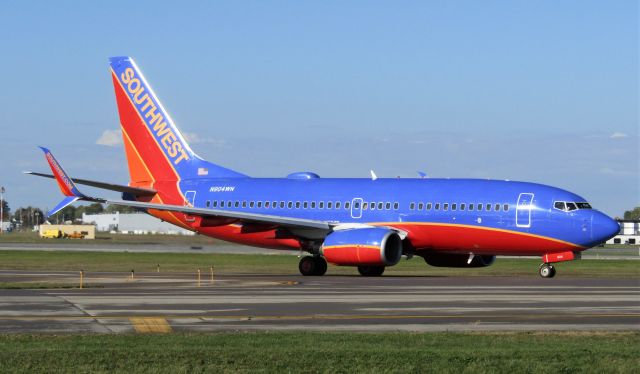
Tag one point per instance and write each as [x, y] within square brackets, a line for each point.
[547, 271]
[308, 266]
[371, 271]
[321, 266]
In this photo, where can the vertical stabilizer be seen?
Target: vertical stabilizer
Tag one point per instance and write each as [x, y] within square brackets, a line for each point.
[155, 148]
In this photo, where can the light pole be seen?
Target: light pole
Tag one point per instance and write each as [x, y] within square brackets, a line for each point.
[1, 210]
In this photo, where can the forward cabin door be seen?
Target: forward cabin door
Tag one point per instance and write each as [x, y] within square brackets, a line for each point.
[189, 199]
[523, 210]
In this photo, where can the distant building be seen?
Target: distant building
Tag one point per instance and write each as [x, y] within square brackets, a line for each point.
[132, 223]
[629, 233]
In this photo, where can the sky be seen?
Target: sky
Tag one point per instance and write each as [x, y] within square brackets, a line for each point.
[540, 91]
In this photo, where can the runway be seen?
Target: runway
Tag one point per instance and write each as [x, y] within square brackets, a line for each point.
[157, 302]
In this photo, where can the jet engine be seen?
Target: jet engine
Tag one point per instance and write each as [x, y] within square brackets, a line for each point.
[375, 246]
[458, 260]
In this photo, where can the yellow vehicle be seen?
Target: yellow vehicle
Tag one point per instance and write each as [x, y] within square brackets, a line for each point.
[51, 234]
[75, 235]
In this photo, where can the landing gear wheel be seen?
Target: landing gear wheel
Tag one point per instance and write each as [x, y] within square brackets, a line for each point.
[312, 265]
[307, 266]
[321, 265]
[547, 271]
[371, 271]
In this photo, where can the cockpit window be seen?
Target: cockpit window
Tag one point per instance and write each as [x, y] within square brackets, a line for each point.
[568, 206]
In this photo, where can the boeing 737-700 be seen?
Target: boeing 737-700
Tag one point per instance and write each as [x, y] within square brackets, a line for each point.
[368, 223]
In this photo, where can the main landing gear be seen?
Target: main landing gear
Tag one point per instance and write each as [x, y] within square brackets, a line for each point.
[371, 271]
[547, 271]
[312, 265]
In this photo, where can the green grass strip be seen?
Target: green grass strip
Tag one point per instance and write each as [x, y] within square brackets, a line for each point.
[286, 264]
[296, 352]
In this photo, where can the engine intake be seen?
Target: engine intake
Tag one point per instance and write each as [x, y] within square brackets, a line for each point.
[364, 246]
[458, 260]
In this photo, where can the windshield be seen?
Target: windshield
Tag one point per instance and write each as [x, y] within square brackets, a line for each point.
[567, 206]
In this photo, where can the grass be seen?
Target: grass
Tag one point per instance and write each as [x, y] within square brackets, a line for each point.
[297, 352]
[286, 264]
[41, 285]
[106, 238]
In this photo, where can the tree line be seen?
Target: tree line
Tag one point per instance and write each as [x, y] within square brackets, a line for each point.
[28, 217]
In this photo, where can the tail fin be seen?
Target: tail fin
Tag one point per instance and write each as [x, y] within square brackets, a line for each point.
[155, 148]
[68, 188]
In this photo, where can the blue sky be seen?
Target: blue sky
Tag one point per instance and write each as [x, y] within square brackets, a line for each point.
[543, 91]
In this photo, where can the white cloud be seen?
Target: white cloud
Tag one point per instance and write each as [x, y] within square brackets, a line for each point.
[110, 138]
[193, 138]
[618, 135]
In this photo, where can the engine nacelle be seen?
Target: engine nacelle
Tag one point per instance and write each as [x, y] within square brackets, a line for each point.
[458, 260]
[373, 246]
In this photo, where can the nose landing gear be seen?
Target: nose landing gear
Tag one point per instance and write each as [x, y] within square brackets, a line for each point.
[547, 270]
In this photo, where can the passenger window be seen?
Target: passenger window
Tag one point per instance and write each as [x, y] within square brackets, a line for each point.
[251, 204]
[215, 203]
[274, 204]
[208, 203]
[372, 206]
[428, 206]
[337, 205]
[412, 206]
[313, 205]
[347, 205]
[445, 206]
[321, 205]
[505, 207]
[388, 206]
[380, 205]
[282, 205]
[305, 205]
[229, 204]
[437, 206]
[497, 207]
[488, 207]
[462, 206]
[329, 205]
[237, 204]
[266, 204]
[365, 206]
[297, 205]
[356, 205]
[470, 206]
[244, 204]
[420, 206]
[454, 206]
[396, 206]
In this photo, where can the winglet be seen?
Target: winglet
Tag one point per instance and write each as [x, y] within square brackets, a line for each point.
[65, 183]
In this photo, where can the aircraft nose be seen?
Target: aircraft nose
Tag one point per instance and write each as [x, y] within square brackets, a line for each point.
[604, 227]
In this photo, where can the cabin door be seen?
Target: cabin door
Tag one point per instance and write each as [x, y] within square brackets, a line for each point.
[523, 210]
[189, 199]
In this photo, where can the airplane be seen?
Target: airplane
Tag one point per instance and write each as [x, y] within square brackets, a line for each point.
[368, 223]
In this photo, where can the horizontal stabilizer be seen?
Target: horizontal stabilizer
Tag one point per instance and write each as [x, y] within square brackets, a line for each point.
[63, 204]
[105, 186]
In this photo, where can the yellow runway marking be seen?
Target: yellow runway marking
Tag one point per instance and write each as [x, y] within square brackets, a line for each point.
[146, 325]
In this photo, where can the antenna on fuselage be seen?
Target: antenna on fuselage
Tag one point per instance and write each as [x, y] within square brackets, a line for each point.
[373, 175]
